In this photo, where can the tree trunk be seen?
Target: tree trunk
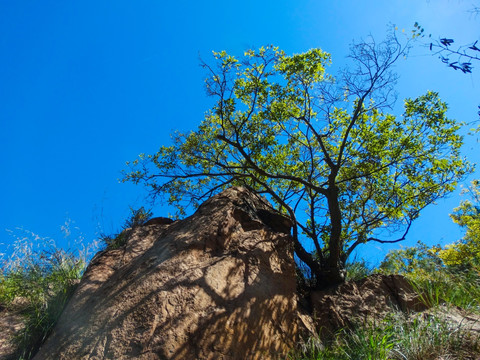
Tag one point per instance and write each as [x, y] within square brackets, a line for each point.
[334, 272]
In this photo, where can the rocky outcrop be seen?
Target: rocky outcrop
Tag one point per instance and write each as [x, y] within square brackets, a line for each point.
[217, 285]
[363, 301]
[11, 324]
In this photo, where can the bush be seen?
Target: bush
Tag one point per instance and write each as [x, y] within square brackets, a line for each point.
[425, 336]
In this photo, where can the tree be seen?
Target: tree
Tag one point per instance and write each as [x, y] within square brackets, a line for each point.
[323, 150]
[467, 215]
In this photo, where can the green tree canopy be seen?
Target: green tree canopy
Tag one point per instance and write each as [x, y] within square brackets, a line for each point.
[322, 149]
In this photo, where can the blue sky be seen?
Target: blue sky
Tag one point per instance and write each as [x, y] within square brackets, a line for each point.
[88, 85]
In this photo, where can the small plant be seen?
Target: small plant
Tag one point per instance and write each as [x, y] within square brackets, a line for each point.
[428, 292]
[368, 342]
[137, 218]
[357, 270]
[362, 342]
[115, 241]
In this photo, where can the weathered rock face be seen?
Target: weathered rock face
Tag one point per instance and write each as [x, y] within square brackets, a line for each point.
[217, 285]
[366, 300]
[11, 323]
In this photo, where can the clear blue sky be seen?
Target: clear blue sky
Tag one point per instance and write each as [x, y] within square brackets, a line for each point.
[87, 85]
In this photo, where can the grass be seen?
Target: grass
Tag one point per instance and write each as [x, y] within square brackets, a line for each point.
[357, 270]
[436, 282]
[432, 338]
[36, 281]
[396, 338]
[458, 287]
[115, 241]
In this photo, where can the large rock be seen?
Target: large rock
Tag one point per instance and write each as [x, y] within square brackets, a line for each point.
[217, 285]
[364, 301]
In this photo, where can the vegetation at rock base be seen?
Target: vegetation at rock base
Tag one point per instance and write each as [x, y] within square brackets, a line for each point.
[39, 278]
[323, 149]
[450, 274]
[395, 338]
[437, 282]
[36, 282]
[440, 285]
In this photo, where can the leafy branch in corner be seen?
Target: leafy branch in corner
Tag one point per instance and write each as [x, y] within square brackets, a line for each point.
[443, 47]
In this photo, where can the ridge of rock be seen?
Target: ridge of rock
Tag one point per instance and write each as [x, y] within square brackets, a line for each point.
[367, 300]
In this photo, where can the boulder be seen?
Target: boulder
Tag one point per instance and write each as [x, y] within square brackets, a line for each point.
[217, 285]
[367, 300]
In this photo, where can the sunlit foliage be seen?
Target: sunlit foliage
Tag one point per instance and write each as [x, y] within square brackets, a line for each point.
[323, 149]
